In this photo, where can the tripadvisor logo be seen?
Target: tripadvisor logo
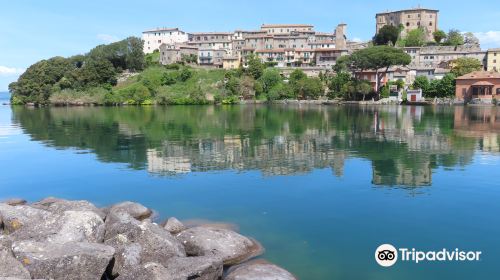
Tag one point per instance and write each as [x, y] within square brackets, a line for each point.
[387, 255]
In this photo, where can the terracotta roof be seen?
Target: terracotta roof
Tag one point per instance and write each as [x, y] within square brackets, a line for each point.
[480, 75]
[482, 83]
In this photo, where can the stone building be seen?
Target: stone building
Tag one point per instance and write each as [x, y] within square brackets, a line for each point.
[173, 53]
[410, 19]
[155, 37]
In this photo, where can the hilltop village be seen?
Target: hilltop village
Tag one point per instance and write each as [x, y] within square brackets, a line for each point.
[300, 46]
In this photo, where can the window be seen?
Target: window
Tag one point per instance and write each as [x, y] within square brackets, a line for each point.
[494, 61]
[498, 91]
[407, 24]
[430, 23]
[409, 16]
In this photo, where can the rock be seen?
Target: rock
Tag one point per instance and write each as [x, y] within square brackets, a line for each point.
[69, 226]
[11, 267]
[57, 205]
[210, 224]
[232, 247]
[199, 268]
[258, 270]
[174, 226]
[135, 210]
[72, 260]
[15, 217]
[15, 201]
[138, 242]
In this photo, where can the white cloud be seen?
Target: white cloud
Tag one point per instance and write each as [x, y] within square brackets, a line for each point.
[106, 38]
[10, 71]
[357, 40]
[489, 39]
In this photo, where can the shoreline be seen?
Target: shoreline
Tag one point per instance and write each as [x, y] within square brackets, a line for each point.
[438, 102]
[73, 239]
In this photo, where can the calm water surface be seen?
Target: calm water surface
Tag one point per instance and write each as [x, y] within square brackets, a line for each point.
[320, 187]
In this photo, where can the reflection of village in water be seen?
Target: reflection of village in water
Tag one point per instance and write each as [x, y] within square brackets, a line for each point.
[403, 144]
[286, 154]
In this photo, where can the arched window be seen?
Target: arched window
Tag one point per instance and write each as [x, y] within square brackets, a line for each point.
[407, 24]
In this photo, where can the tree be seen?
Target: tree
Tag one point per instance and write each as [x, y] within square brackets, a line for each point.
[454, 38]
[255, 67]
[270, 77]
[439, 35]
[337, 82]
[421, 82]
[296, 75]
[470, 39]
[446, 86]
[415, 38]
[311, 88]
[378, 58]
[387, 34]
[465, 65]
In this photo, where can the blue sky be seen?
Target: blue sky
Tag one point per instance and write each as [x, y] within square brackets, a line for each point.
[34, 30]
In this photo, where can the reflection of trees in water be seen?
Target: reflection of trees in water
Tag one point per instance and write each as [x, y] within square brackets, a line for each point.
[403, 144]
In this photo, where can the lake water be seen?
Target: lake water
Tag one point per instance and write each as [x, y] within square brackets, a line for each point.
[320, 187]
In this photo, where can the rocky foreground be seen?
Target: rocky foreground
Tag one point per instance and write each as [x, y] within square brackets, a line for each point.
[62, 239]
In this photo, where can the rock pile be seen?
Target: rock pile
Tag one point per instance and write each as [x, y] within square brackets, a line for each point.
[61, 239]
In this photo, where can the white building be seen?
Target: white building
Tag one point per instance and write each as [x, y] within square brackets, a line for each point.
[155, 37]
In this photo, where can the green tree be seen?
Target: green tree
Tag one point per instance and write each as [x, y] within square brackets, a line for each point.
[337, 82]
[296, 75]
[378, 58]
[255, 67]
[465, 65]
[270, 77]
[439, 36]
[446, 86]
[454, 38]
[415, 38]
[36, 83]
[308, 88]
[387, 34]
[421, 82]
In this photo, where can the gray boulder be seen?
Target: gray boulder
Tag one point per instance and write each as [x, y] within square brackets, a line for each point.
[72, 260]
[174, 226]
[135, 210]
[138, 242]
[58, 206]
[199, 268]
[258, 270]
[230, 246]
[69, 226]
[15, 201]
[13, 218]
[11, 267]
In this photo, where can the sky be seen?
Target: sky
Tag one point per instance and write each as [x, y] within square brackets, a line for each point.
[35, 30]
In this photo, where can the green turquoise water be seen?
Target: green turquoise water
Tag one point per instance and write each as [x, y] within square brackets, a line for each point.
[321, 187]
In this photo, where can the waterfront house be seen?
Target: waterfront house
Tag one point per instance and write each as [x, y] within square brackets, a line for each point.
[483, 85]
